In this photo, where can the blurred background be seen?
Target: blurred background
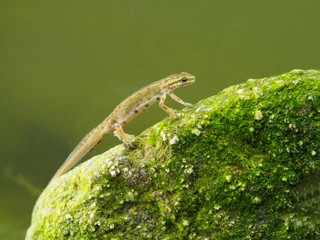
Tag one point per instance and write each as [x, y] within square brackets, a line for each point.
[65, 65]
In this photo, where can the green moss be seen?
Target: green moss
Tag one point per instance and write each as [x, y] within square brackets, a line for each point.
[243, 164]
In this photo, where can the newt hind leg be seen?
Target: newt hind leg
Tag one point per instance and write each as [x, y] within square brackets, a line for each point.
[126, 138]
[168, 110]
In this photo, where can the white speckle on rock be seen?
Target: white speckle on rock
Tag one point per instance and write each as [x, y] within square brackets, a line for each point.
[217, 207]
[257, 200]
[163, 135]
[292, 125]
[131, 196]
[228, 178]
[174, 140]
[295, 81]
[189, 170]
[113, 173]
[179, 115]
[313, 153]
[258, 115]
[196, 132]
[68, 216]
[240, 91]
[185, 223]
[300, 143]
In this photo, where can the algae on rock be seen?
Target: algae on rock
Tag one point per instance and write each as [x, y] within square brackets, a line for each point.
[242, 164]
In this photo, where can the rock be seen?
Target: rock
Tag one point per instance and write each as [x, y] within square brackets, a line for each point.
[242, 164]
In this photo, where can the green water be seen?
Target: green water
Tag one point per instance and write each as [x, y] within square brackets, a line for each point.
[64, 66]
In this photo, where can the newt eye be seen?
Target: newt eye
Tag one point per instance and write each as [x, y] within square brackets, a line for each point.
[183, 80]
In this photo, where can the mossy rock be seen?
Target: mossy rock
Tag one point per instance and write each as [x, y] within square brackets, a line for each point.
[243, 164]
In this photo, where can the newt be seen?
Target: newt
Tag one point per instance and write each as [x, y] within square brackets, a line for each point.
[126, 111]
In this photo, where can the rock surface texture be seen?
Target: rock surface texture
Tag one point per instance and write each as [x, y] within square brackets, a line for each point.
[243, 164]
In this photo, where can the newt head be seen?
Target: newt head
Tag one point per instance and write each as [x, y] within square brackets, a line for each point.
[179, 80]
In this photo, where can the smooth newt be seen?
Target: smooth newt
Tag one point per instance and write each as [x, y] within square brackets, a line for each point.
[127, 110]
